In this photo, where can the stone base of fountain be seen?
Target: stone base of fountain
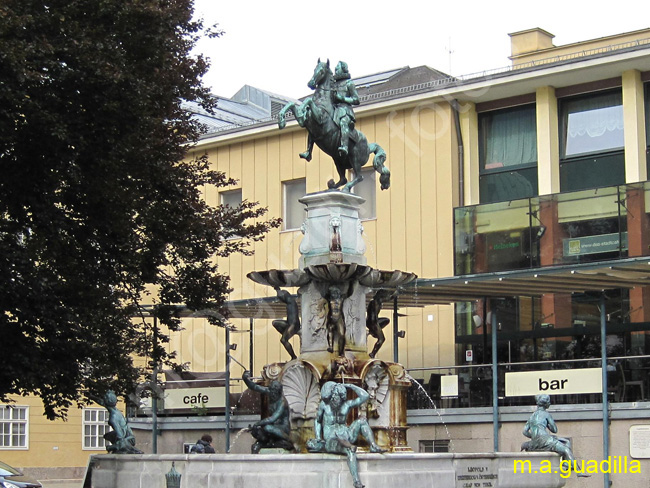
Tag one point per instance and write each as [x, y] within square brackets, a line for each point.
[412, 470]
[385, 382]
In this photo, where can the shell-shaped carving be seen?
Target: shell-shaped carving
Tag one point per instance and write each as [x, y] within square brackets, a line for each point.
[376, 381]
[300, 388]
[337, 273]
[377, 278]
[272, 371]
[397, 371]
[279, 277]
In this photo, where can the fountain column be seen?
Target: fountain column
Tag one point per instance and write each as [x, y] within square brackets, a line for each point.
[333, 281]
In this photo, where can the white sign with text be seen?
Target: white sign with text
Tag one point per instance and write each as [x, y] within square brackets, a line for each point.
[209, 397]
[554, 382]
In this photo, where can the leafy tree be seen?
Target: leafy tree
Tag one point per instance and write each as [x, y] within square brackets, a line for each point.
[98, 203]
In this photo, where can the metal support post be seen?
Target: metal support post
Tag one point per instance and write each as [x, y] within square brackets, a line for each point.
[227, 415]
[395, 332]
[495, 384]
[250, 346]
[603, 355]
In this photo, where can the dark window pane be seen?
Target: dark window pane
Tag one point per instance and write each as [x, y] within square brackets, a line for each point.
[510, 185]
[592, 172]
[508, 138]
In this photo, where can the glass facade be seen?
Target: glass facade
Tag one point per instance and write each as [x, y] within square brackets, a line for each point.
[565, 228]
[561, 329]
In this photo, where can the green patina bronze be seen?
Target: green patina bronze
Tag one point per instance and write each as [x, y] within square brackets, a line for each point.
[329, 119]
[540, 429]
[333, 435]
[121, 438]
[274, 430]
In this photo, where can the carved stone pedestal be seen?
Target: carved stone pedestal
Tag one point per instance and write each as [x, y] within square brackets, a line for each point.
[334, 285]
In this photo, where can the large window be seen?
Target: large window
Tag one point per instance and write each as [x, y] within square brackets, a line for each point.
[592, 141]
[294, 211]
[368, 190]
[13, 427]
[508, 154]
[94, 428]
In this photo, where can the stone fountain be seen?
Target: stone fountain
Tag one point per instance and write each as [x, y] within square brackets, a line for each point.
[339, 266]
[332, 317]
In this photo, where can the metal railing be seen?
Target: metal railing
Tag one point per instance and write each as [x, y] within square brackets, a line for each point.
[461, 79]
[628, 381]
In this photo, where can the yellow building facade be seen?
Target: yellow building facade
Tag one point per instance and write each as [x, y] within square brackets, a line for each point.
[432, 135]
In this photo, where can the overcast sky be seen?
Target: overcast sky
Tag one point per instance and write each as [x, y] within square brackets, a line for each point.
[274, 45]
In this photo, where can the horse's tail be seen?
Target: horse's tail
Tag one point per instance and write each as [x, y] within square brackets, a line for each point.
[378, 163]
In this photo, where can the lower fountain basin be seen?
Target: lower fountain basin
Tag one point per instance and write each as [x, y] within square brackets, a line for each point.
[412, 470]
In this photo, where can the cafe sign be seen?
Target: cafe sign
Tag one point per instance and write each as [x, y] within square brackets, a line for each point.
[579, 246]
[210, 397]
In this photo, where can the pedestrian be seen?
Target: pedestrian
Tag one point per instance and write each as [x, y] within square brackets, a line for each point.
[203, 445]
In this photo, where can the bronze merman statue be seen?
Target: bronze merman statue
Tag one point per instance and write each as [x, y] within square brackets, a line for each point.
[273, 431]
[333, 435]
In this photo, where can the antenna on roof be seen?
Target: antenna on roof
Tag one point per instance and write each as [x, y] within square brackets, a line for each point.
[450, 51]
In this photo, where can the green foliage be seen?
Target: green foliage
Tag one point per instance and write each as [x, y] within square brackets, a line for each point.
[97, 201]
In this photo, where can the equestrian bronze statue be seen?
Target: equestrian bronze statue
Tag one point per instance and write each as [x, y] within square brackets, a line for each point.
[329, 119]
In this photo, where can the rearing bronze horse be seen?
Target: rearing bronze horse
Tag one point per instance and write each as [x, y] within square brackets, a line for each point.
[316, 115]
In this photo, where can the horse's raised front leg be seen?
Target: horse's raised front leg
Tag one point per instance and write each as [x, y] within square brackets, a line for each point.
[299, 112]
[289, 107]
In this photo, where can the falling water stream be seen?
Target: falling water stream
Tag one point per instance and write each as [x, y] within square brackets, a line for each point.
[234, 441]
[435, 408]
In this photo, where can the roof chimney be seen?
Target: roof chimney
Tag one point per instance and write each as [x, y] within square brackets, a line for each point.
[529, 41]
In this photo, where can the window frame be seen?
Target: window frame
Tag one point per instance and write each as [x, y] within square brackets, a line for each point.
[646, 109]
[12, 422]
[484, 172]
[590, 158]
[285, 185]
[222, 196]
[226, 193]
[563, 121]
[369, 174]
[434, 445]
[101, 444]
